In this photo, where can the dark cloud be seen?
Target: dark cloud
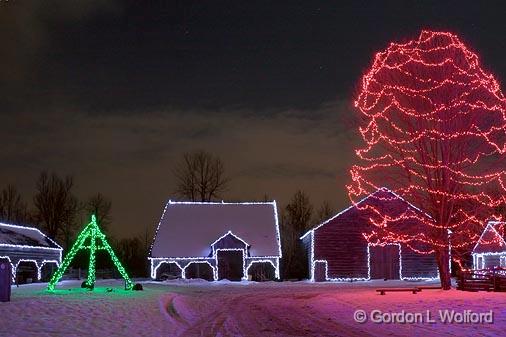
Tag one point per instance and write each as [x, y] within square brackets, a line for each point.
[114, 92]
[27, 26]
[288, 172]
[125, 56]
[130, 158]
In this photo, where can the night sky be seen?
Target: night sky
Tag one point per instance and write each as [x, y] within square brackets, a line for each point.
[114, 92]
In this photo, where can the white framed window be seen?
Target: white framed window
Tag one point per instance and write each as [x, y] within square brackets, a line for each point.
[503, 261]
[480, 262]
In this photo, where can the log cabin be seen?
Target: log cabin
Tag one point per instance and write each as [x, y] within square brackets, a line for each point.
[33, 255]
[337, 249]
[490, 250]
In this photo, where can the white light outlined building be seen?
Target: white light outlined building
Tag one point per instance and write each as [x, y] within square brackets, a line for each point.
[30, 252]
[490, 250]
[338, 251]
[216, 240]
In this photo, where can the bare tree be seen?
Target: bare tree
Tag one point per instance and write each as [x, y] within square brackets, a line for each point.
[295, 219]
[266, 198]
[56, 206]
[101, 207]
[299, 212]
[131, 252]
[200, 176]
[324, 212]
[12, 207]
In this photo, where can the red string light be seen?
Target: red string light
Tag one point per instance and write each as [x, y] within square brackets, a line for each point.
[434, 131]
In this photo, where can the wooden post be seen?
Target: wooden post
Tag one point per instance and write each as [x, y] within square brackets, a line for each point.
[5, 280]
[494, 280]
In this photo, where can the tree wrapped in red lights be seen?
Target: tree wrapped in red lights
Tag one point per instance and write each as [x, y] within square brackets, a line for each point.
[434, 132]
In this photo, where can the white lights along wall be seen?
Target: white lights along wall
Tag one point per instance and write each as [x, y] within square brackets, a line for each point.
[247, 261]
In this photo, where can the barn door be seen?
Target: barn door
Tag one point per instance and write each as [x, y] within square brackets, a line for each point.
[385, 262]
[230, 264]
[320, 270]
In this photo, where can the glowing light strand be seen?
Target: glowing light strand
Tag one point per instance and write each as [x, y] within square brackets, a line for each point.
[58, 247]
[427, 91]
[386, 241]
[93, 233]
[480, 258]
[364, 278]
[247, 261]
[184, 262]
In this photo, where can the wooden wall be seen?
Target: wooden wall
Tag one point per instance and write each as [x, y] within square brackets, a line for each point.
[341, 244]
[492, 260]
[230, 241]
[418, 265]
[15, 254]
[306, 243]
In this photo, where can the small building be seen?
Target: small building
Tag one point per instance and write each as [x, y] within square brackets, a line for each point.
[490, 250]
[339, 249]
[32, 255]
[217, 240]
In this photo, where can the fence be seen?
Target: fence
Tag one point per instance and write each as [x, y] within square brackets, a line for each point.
[78, 274]
[493, 279]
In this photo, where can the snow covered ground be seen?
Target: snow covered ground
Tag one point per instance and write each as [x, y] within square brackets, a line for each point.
[199, 308]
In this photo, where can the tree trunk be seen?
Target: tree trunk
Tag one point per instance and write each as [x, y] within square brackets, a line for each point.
[443, 263]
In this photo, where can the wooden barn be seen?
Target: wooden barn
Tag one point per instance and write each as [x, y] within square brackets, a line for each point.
[338, 251]
[490, 250]
[215, 241]
[32, 255]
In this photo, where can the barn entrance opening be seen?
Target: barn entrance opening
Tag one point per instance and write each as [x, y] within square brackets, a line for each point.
[26, 272]
[47, 270]
[168, 271]
[385, 262]
[262, 271]
[230, 264]
[200, 270]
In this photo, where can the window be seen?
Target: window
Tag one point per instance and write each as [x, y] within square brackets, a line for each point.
[480, 262]
[503, 261]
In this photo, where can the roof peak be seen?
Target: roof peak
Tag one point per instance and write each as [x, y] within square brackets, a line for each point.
[380, 189]
[171, 202]
[490, 227]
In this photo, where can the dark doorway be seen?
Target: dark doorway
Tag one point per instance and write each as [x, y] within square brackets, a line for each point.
[320, 269]
[26, 272]
[385, 262]
[47, 270]
[230, 264]
[200, 270]
[262, 271]
[168, 271]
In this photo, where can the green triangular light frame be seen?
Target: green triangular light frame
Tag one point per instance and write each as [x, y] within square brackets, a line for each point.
[97, 241]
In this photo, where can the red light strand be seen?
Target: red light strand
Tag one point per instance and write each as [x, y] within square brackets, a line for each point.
[434, 132]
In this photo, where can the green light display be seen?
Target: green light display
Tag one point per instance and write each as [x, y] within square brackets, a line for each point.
[96, 241]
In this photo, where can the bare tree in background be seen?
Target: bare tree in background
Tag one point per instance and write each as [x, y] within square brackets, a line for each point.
[323, 213]
[266, 198]
[295, 220]
[12, 207]
[56, 206]
[131, 252]
[101, 207]
[200, 176]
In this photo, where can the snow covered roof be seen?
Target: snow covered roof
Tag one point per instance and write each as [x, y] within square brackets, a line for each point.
[187, 229]
[381, 193]
[13, 235]
[490, 241]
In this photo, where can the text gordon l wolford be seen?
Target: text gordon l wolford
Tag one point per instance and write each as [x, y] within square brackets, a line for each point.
[446, 316]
